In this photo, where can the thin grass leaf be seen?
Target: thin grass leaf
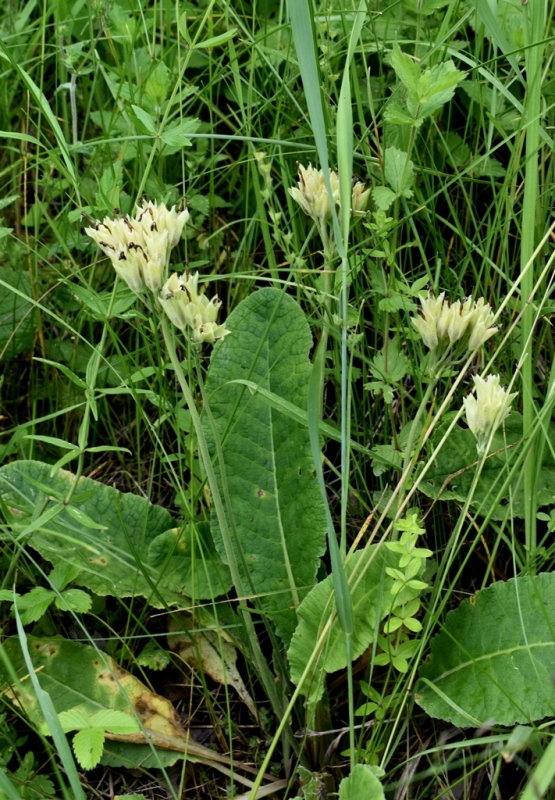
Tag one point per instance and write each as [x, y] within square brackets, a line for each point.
[50, 716]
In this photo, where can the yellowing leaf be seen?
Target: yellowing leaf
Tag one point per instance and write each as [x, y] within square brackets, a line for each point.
[208, 651]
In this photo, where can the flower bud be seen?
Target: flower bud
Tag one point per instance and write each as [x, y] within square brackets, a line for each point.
[360, 199]
[209, 332]
[481, 324]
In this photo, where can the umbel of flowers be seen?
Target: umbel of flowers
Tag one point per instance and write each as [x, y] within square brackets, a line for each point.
[453, 328]
[139, 248]
[486, 411]
[312, 195]
[186, 308]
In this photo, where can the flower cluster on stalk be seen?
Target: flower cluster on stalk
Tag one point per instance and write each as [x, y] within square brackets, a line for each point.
[461, 326]
[139, 248]
[486, 411]
[311, 193]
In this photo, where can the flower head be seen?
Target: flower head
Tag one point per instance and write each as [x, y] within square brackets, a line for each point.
[458, 326]
[186, 308]
[158, 219]
[486, 411]
[139, 246]
[311, 193]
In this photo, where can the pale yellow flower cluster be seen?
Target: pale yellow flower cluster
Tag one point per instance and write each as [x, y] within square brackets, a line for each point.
[139, 247]
[444, 325]
[486, 411]
[186, 308]
[312, 195]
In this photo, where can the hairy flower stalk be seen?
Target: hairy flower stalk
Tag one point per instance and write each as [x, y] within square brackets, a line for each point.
[486, 411]
[139, 247]
[186, 308]
[453, 328]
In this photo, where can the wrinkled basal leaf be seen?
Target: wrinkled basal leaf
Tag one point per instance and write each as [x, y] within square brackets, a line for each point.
[119, 542]
[494, 660]
[277, 507]
[189, 563]
[371, 603]
[451, 475]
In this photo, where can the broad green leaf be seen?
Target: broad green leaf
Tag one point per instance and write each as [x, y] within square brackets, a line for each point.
[399, 171]
[452, 474]
[383, 197]
[371, 603]
[437, 87]
[120, 556]
[384, 458]
[493, 660]
[17, 315]
[133, 756]
[87, 746]
[76, 675]
[362, 784]
[146, 120]
[188, 562]
[391, 364]
[269, 471]
[137, 756]
[406, 70]
[62, 574]
[395, 114]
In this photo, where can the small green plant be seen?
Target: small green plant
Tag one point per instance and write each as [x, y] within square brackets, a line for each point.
[88, 742]
[34, 604]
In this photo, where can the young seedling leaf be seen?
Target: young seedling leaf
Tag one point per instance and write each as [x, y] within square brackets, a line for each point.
[406, 70]
[74, 599]
[33, 605]
[114, 721]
